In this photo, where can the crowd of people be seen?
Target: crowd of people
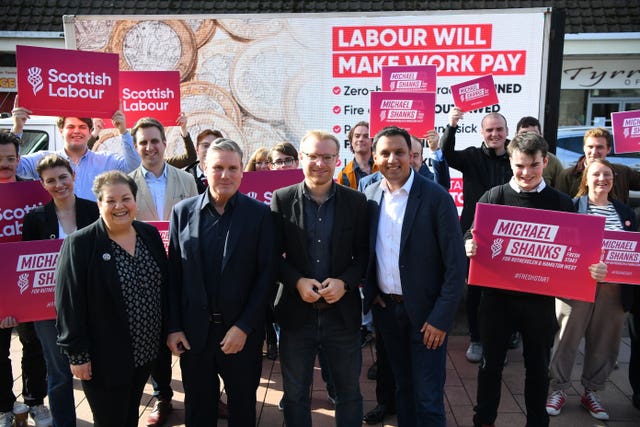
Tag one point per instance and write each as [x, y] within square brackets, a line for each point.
[379, 249]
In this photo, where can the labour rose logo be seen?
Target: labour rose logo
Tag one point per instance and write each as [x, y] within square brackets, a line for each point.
[23, 282]
[35, 79]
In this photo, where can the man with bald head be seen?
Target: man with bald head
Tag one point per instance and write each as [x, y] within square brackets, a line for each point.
[482, 168]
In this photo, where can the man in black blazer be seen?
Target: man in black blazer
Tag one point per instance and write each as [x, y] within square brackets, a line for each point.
[221, 272]
[415, 277]
[321, 228]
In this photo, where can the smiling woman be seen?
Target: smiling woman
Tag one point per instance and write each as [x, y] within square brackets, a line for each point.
[116, 265]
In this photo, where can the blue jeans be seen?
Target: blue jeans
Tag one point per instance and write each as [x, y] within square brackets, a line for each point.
[419, 372]
[59, 378]
[341, 349]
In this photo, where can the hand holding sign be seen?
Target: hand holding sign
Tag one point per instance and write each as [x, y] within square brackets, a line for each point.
[20, 116]
[455, 115]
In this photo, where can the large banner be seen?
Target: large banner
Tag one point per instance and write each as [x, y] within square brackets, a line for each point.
[266, 78]
[536, 251]
[16, 200]
[27, 288]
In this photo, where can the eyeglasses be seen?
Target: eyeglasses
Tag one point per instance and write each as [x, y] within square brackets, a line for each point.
[286, 162]
[326, 158]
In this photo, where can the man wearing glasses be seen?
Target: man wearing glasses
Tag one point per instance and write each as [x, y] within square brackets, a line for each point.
[321, 230]
[283, 156]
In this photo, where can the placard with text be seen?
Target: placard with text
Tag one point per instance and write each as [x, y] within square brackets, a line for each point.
[474, 94]
[261, 185]
[626, 131]
[413, 111]
[409, 78]
[16, 200]
[27, 288]
[536, 251]
[61, 82]
[163, 229]
[622, 256]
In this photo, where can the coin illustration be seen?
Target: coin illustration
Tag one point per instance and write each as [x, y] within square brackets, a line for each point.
[93, 35]
[150, 45]
[300, 106]
[205, 96]
[260, 134]
[252, 28]
[203, 29]
[199, 121]
[215, 59]
[259, 75]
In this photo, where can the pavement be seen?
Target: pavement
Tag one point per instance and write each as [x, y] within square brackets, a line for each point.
[459, 390]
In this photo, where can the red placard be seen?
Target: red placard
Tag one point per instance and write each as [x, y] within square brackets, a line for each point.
[409, 78]
[474, 94]
[536, 251]
[61, 82]
[413, 111]
[622, 256]
[626, 131]
[28, 280]
[261, 185]
[16, 200]
[163, 229]
[150, 94]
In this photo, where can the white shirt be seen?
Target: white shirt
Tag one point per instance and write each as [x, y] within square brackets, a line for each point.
[517, 189]
[392, 209]
[157, 187]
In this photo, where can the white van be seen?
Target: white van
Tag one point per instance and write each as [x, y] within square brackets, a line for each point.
[40, 133]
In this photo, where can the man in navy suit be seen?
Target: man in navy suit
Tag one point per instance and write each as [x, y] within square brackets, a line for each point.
[221, 272]
[415, 277]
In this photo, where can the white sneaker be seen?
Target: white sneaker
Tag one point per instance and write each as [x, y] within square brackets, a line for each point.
[41, 415]
[555, 402]
[6, 419]
[474, 352]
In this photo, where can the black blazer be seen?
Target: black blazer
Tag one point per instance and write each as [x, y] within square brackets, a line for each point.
[247, 270]
[91, 312]
[349, 252]
[42, 222]
[432, 261]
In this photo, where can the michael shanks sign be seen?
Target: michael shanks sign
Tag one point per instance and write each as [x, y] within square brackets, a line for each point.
[61, 82]
[536, 251]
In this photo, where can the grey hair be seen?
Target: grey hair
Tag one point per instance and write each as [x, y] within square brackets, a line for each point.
[225, 144]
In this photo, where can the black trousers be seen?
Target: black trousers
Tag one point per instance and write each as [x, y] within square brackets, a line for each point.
[634, 361]
[117, 406]
[500, 314]
[240, 373]
[34, 371]
[385, 384]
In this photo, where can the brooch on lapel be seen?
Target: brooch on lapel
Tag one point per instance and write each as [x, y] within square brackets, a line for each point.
[106, 256]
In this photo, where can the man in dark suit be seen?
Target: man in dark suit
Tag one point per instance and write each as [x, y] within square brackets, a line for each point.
[415, 277]
[221, 271]
[321, 228]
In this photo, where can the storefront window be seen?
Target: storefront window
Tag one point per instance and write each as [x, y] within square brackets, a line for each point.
[573, 107]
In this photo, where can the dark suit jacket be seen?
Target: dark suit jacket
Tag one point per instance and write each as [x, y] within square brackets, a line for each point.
[42, 222]
[247, 270]
[432, 258]
[91, 312]
[348, 252]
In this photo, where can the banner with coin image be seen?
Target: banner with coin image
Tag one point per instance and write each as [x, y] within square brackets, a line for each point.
[28, 280]
[17, 199]
[61, 82]
[536, 251]
[622, 256]
[267, 78]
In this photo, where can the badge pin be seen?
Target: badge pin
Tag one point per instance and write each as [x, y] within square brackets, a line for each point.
[106, 257]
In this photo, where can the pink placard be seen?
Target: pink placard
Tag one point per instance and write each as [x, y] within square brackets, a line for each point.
[622, 256]
[150, 94]
[28, 280]
[61, 82]
[413, 111]
[261, 185]
[474, 94]
[409, 78]
[16, 200]
[536, 251]
[626, 131]
[163, 229]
